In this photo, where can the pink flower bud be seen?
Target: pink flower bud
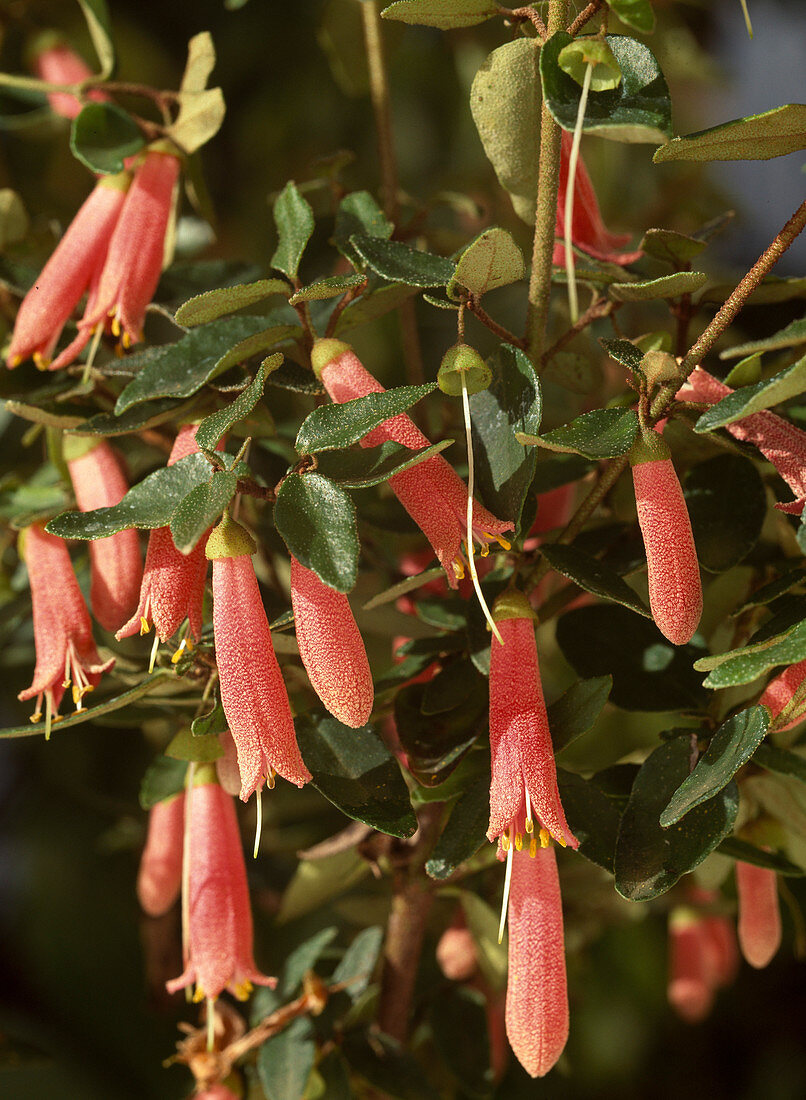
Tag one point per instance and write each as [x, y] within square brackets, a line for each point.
[160, 877]
[65, 650]
[759, 913]
[173, 583]
[116, 563]
[219, 917]
[456, 952]
[59, 64]
[331, 647]
[780, 690]
[537, 996]
[432, 492]
[691, 985]
[675, 591]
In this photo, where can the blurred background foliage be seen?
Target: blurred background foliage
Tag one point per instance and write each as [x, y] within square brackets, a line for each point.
[82, 1008]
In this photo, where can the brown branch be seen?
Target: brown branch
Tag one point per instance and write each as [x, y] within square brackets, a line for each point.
[583, 17]
[342, 303]
[598, 309]
[475, 307]
[529, 15]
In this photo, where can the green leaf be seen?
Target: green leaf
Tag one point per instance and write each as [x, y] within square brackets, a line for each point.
[213, 427]
[742, 666]
[601, 433]
[756, 137]
[637, 14]
[675, 248]
[648, 672]
[727, 503]
[359, 213]
[387, 1066]
[316, 520]
[505, 104]
[747, 372]
[593, 575]
[285, 1061]
[214, 722]
[667, 286]
[747, 400]
[102, 135]
[650, 859]
[316, 881]
[458, 1021]
[624, 352]
[738, 849]
[211, 305]
[201, 748]
[731, 746]
[482, 920]
[779, 760]
[575, 58]
[201, 508]
[201, 109]
[14, 220]
[510, 406]
[577, 710]
[304, 958]
[355, 771]
[638, 110]
[257, 344]
[331, 427]
[96, 14]
[398, 263]
[445, 14]
[181, 369]
[368, 466]
[295, 224]
[592, 817]
[163, 779]
[465, 831]
[790, 336]
[151, 503]
[492, 260]
[436, 743]
[332, 287]
[369, 307]
[133, 420]
[358, 961]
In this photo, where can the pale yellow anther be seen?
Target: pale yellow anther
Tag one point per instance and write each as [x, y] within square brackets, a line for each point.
[561, 841]
[126, 340]
[503, 542]
[518, 842]
[115, 326]
[36, 717]
[545, 838]
[41, 362]
[145, 625]
[530, 825]
[533, 847]
[270, 779]
[242, 990]
[505, 842]
[14, 361]
[485, 550]
[459, 569]
[66, 683]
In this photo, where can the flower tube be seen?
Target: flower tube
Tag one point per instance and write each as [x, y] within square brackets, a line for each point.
[759, 913]
[58, 63]
[780, 691]
[159, 879]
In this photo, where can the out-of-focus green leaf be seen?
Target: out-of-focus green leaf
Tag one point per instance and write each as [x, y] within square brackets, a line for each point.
[727, 504]
[492, 260]
[295, 224]
[103, 135]
[445, 14]
[756, 137]
[577, 709]
[667, 286]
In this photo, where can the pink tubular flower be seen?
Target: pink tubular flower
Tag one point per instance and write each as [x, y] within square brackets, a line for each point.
[173, 583]
[432, 492]
[537, 995]
[134, 261]
[675, 590]
[59, 64]
[331, 647]
[115, 561]
[759, 913]
[160, 876]
[75, 264]
[524, 777]
[218, 950]
[780, 691]
[589, 231]
[65, 650]
[690, 989]
[456, 952]
[253, 694]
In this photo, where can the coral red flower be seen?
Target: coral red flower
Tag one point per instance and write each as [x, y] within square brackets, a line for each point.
[65, 650]
[160, 876]
[690, 989]
[331, 647]
[456, 952]
[537, 994]
[759, 913]
[524, 776]
[432, 492]
[675, 590]
[253, 694]
[75, 264]
[133, 263]
[780, 691]
[219, 918]
[116, 563]
[173, 583]
[59, 64]
[589, 231]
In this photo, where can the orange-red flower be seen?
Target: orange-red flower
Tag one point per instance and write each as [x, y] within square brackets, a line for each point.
[759, 913]
[218, 951]
[779, 693]
[65, 649]
[432, 492]
[159, 879]
[59, 64]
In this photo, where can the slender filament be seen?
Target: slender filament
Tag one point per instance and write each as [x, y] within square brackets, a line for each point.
[573, 301]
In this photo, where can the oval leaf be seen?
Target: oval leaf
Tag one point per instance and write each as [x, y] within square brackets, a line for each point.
[333, 426]
[492, 260]
[368, 466]
[317, 522]
[213, 427]
[593, 575]
[756, 137]
[444, 14]
[667, 286]
[601, 433]
[747, 400]
[398, 263]
[201, 508]
[295, 224]
[102, 135]
[727, 504]
[227, 299]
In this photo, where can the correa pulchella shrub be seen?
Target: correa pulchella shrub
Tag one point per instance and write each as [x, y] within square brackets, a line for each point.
[370, 625]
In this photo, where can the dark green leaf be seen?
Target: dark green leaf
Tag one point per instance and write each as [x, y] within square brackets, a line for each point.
[674, 248]
[257, 344]
[779, 760]
[180, 369]
[149, 504]
[592, 817]
[756, 137]
[213, 304]
[398, 263]
[511, 404]
[639, 109]
[201, 748]
[369, 307]
[491, 260]
[358, 961]
[601, 433]
[727, 504]
[577, 709]
[556, 470]
[316, 519]
[201, 508]
[459, 1027]
[295, 223]
[212, 428]
[445, 14]
[333, 426]
[465, 831]
[790, 336]
[285, 1061]
[316, 881]
[650, 859]
[592, 575]
[331, 287]
[359, 213]
[163, 779]
[742, 666]
[649, 673]
[103, 135]
[451, 686]
[749, 853]
[214, 721]
[667, 286]
[435, 743]
[133, 420]
[357, 773]
[788, 383]
[637, 14]
[304, 958]
[624, 352]
[368, 466]
[731, 746]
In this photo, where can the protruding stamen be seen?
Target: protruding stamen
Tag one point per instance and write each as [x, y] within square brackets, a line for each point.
[545, 838]
[258, 821]
[505, 900]
[154, 647]
[41, 362]
[529, 825]
[485, 550]
[145, 625]
[502, 542]
[48, 714]
[458, 569]
[210, 1025]
[270, 778]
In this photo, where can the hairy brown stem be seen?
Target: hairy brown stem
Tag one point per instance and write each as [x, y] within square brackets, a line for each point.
[530, 15]
[481, 314]
[583, 17]
[598, 309]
